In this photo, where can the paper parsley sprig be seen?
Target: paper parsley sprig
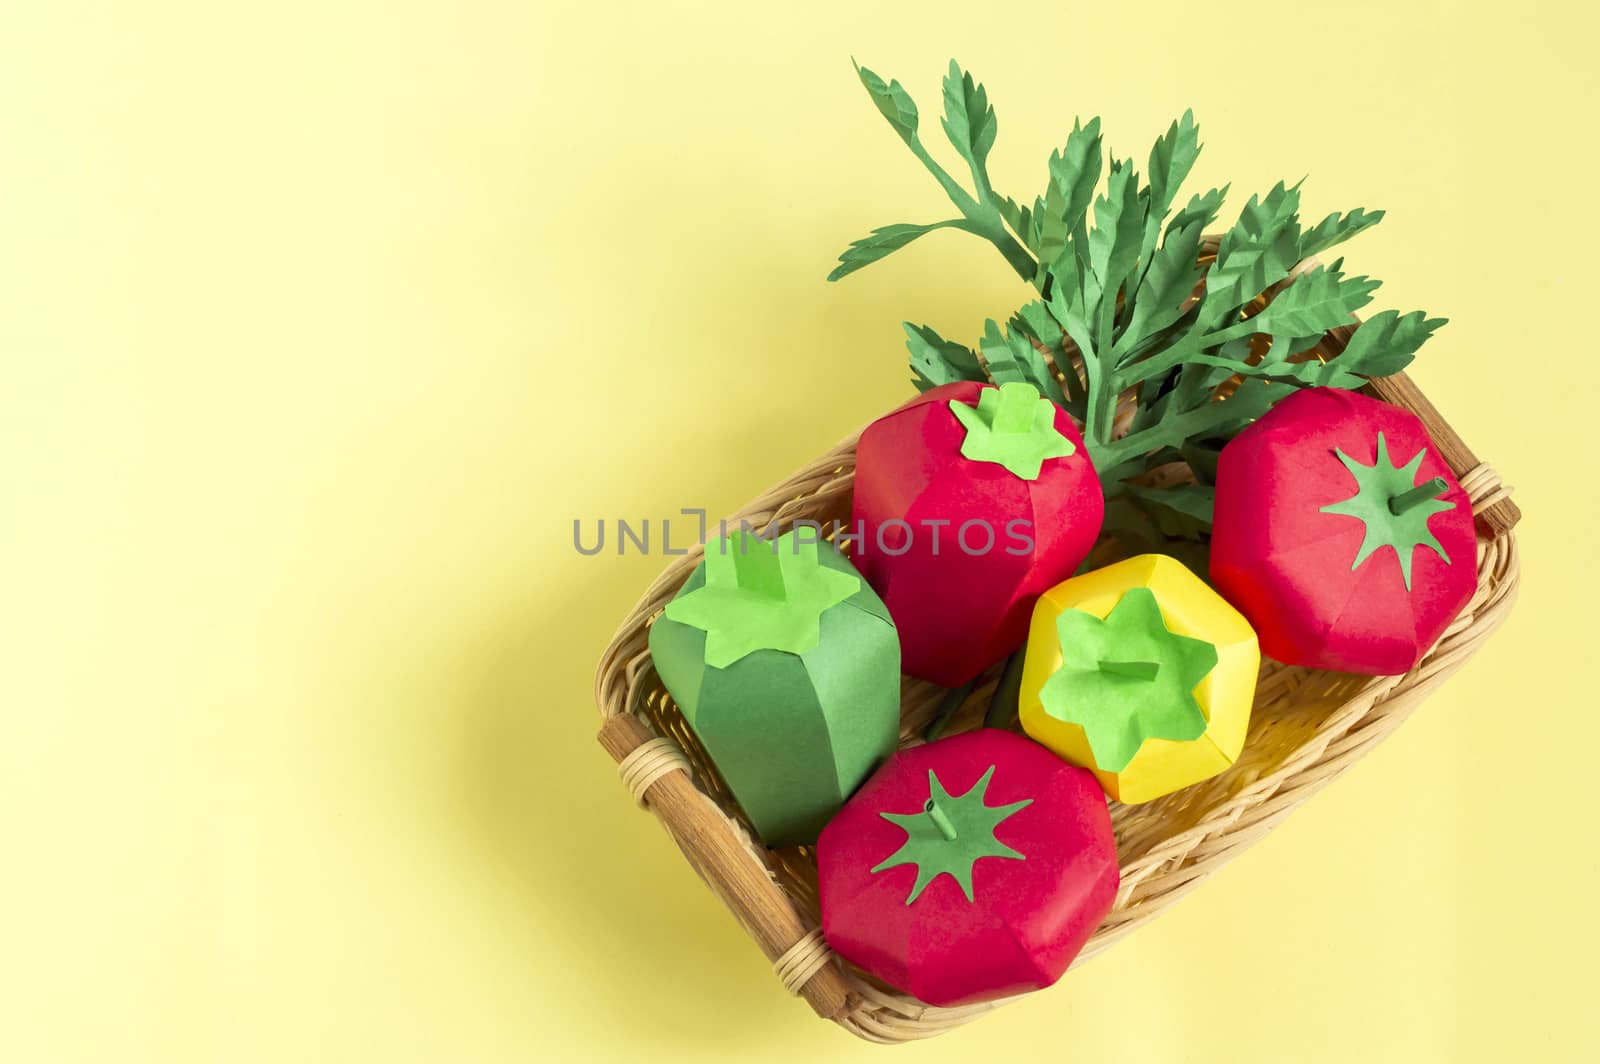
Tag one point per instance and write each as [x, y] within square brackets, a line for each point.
[1119, 278]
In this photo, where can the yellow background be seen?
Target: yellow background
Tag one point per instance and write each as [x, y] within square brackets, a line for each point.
[320, 324]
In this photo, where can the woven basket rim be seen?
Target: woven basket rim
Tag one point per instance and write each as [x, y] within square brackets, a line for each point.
[772, 892]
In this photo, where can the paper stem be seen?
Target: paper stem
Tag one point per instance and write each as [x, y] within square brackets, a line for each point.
[756, 567]
[1002, 709]
[940, 820]
[947, 708]
[1134, 670]
[1014, 414]
[1428, 489]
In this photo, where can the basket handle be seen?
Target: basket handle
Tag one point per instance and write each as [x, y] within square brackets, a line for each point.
[734, 873]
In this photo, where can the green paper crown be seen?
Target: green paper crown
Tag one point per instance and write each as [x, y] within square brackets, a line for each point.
[1393, 506]
[1127, 678]
[762, 595]
[1012, 426]
[951, 834]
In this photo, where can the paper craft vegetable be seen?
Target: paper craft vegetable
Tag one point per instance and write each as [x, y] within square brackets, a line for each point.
[969, 501]
[1127, 311]
[1342, 534]
[968, 869]
[1142, 673]
[786, 666]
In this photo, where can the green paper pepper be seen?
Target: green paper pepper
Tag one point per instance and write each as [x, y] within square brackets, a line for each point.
[786, 666]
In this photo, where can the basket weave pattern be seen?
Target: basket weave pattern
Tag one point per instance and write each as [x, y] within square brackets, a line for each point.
[1307, 727]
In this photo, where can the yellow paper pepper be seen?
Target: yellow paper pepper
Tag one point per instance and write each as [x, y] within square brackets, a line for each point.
[1140, 673]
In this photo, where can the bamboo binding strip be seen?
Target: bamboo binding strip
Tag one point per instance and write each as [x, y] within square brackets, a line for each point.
[649, 762]
[802, 960]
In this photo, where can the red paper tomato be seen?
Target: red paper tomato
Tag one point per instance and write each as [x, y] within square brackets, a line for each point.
[1341, 534]
[970, 501]
[968, 869]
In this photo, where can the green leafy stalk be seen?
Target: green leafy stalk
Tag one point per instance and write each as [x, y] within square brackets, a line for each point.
[937, 361]
[886, 239]
[969, 123]
[1126, 306]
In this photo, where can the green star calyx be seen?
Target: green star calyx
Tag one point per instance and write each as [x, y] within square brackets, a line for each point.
[762, 595]
[1394, 508]
[951, 834]
[1127, 678]
[1013, 426]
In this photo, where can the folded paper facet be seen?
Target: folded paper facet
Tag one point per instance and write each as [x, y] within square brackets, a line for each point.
[1140, 673]
[968, 869]
[970, 500]
[786, 666]
[1342, 534]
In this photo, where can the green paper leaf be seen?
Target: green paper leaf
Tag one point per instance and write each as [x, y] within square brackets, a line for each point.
[1119, 224]
[1285, 346]
[1253, 398]
[1385, 343]
[1036, 321]
[1127, 678]
[1171, 159]
[761, 595]
[937, 361]
[1391, 341]
[1203, 456]
[1019, 219]
[1044, 229]
[1258, 252]
[1314, 302]
[1335, 229]
[950, 834]
[969, 122]
[1203, 208]
[1378, 487]
[1168, 284]
[1183, 510]
[892, 101]
[1069, 301]
[1014, 427]
[1074, 173]
[884, 240]
[1011, 356]
[1138, 530]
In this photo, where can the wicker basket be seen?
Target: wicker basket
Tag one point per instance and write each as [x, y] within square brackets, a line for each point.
[1307, 727]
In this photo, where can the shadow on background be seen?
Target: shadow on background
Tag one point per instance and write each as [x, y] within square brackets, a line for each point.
[657, 953]
[659, 956]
